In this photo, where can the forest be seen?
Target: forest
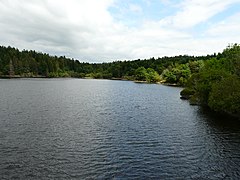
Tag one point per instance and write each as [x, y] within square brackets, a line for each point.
[217, 83]
[212, 80]
[174, 70]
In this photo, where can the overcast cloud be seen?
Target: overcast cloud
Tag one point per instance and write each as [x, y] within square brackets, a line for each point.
[107, 30]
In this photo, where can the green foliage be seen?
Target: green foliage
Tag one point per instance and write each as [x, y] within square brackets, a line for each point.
[225, 95]
[152, 76]
[232, 53]
[149, 75]
[187, 93]
[177, 74]
[217, 83]
[195, 66]
[211, 80]
[206, 79]
[141, 74]
[34, 64]
[169, 76]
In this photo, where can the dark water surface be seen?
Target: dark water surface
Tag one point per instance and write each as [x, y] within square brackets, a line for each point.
[100, 129]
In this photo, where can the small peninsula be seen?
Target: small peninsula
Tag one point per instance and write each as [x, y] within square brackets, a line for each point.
[211, 80]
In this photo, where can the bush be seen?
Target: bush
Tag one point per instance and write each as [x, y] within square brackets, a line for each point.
[141, 74]
[225, 95]
[152, 76]
[187, 93]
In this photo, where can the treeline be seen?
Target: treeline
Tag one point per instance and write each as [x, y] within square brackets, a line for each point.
[212, 80]
[174, 70]
[217, 83]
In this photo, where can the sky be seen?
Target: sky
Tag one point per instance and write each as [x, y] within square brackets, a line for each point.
[110, 30]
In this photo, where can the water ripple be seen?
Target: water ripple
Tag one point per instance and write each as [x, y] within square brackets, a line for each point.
[89, 129]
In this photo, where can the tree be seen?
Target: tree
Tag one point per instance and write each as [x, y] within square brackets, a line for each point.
[141, 74]
[152, 76]
[195, 66]
[225, 95]
[217, 84]
[169, 76]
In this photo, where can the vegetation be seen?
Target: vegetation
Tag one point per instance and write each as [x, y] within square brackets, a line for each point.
[149, 75]
[212, 80]
[217, 82]
[25, 63]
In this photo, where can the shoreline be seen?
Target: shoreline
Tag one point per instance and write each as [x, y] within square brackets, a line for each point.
[18, 77]
[114, 79]
[237, 116]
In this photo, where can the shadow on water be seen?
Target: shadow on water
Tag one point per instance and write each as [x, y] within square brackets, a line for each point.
[220, 121]
[221, 134]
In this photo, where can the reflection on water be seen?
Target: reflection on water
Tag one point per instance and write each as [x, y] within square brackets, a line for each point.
[100, 129]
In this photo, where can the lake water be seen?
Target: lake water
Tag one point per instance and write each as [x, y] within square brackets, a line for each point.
[101, 129]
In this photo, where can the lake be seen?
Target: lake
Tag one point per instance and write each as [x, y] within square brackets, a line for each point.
[102, 129]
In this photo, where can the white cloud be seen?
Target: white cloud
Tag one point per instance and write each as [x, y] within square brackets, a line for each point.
[55, 26]
[194, 12]
[87, 31]
[135, 8]
[227, 28]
